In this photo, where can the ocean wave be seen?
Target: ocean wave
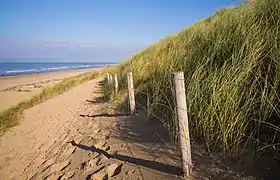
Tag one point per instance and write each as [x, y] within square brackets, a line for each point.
[54, 68]
[51, 69]
[68, 67]
[21, 71]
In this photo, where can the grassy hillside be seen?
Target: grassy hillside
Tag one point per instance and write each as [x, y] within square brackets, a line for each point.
[231, 62]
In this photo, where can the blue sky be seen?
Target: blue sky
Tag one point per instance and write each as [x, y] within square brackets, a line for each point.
[92, 30]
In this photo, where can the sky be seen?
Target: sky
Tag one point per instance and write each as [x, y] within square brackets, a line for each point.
[92, 30]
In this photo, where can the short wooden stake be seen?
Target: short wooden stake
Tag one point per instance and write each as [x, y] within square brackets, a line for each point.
[181, 109]
[131, 92]
[116, 83]
[108, 78]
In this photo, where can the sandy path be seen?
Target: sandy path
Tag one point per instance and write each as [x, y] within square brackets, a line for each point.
[39, 146]
[77, 135]
[44, 126]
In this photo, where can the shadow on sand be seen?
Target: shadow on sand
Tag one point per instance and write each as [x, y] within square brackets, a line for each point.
[105, 115]
[147, 135]
[98, 100]
[142, 162]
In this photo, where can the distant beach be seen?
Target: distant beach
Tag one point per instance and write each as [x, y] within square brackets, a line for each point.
[15, 69]
[14, 89]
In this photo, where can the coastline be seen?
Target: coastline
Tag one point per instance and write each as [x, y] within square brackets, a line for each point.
[12, 81]
[15, 89]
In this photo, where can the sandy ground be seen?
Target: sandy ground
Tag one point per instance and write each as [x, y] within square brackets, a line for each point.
[78, 135]
[79, 138]
[14, 89]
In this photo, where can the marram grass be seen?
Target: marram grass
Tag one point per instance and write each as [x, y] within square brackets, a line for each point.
[231, 63]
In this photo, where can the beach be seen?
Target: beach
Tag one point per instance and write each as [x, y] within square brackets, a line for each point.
[14, 89]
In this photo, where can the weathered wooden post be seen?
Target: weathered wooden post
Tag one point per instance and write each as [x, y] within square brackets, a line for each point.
[108, 78]
[181, 110]
[175, 110]
[131, 92]
[116, 83]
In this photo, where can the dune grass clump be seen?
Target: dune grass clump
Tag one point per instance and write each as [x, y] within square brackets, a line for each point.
[11, 116]
[231, 63]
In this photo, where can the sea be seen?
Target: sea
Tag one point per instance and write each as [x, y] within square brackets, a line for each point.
[15, 69]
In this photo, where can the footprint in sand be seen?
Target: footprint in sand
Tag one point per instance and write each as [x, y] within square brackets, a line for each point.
[56, 171]
[97, 161]
[48, 162]
[107, 172]
[92, 163]
[102, 146]
[68, 175]
[60, 166]
[93, 154]
[70, 151]
[130, 172]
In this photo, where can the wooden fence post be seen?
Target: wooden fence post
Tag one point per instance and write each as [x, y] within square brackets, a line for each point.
[175, 108]
[131, 92]
[181, 110]
[111, 78]
[116, 83]
[108, 78]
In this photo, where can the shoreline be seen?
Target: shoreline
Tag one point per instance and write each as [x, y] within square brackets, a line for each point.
[52, 72]
[26, 68]
[13, 81]
[15, 89]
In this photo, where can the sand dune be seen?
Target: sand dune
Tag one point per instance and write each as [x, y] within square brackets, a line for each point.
[74, 136]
